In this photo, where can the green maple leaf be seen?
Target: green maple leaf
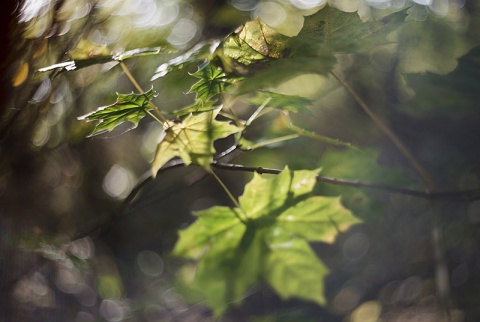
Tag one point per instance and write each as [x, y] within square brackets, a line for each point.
[192, 139]
[213, 81]
[266, 239]
[128, 107]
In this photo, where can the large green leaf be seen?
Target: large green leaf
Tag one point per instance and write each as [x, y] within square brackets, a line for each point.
[265, 240]
[128, 107]
[192, 139]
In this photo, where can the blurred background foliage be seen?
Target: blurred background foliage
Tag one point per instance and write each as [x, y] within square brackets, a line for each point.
[56, 186]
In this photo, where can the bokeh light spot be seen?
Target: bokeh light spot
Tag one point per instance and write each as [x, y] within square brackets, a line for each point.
[356, 247]
[150, 263]
[183, 32]
[118, 182]
[367, 312]
[112, 311]
[271, 13]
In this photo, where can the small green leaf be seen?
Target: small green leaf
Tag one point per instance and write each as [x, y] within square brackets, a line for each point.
[192, 139]
[128, 107]
[291, 103]
[213, 81]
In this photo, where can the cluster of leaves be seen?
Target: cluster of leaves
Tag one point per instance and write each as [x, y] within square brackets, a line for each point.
[265, 238]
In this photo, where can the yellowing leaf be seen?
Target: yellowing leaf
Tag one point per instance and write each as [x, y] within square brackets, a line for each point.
[21, 75]
[192, 140]
[86, 49]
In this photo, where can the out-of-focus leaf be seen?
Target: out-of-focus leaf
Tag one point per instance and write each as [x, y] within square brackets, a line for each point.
[192, 139]
[83, 58]
[199, 52]
[128, 107]
[281, 70]
[291, 103]
[266, 239]
[87, 50]
[333, 31]
[136, 53]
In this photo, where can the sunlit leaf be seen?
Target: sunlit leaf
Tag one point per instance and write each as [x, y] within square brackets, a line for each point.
[192, 139]
[128, 107]
[264, 240]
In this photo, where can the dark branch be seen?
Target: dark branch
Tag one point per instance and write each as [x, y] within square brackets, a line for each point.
[462, 195]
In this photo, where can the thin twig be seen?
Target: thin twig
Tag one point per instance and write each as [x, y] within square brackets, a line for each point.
[389, 133]
[461, 195]
[141, 91]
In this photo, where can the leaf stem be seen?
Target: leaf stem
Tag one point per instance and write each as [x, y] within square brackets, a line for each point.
[155, 117]
[275, 140]
[315, 136]
[390, 134]
[132, 79]
[257, 111]
[230, 195]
